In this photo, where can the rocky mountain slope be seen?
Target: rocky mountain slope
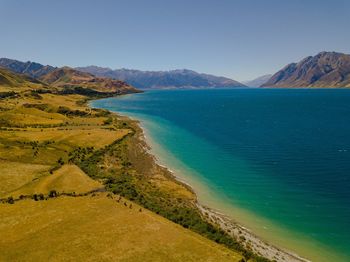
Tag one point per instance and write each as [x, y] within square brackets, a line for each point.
[326, 69]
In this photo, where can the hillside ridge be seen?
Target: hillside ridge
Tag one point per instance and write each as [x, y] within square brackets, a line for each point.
[326, 69]
[32, 69]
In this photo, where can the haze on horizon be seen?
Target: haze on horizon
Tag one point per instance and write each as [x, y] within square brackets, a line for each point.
[239, 39]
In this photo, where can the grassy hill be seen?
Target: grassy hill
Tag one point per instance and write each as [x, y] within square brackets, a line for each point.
[10, 80]
[67, 179]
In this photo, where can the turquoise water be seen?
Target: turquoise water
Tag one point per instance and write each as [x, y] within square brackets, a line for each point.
[281, 155]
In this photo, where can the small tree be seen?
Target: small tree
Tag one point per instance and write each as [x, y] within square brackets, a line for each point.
[60, 161]
[10, 200]
[35, 197]
[53, 193]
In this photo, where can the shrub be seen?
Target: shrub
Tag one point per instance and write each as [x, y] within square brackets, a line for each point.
[53, 193]
[68, 112]
[10, 200]
[35, 197]
[60, 161]
[7, 94]
[108, 121]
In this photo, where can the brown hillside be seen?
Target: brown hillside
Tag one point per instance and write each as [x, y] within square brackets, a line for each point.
[68, 77]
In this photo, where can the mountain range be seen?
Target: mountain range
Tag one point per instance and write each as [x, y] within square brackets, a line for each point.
[326, 69]
[181, 78]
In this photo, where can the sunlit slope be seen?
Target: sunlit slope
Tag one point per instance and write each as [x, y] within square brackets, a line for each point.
[14, 175]
[67, 179]
[97, 229]
[10, 79]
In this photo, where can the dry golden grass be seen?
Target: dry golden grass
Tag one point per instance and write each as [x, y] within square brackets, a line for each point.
[68, 179]
[30, 116]
[16, 174]
[66, 100]
[97, 229]
[81, 136]
[5, 88]
[25, 154]
[93, 121]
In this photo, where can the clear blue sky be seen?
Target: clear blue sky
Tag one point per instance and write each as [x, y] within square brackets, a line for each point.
[240, 39]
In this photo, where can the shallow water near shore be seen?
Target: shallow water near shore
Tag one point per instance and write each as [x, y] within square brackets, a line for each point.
[276, 160]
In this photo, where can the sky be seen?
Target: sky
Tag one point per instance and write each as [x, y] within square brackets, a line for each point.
[240, 39]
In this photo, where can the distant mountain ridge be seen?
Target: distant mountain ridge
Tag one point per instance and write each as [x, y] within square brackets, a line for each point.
[180, 78]
[32, 69]
[258, 81]
[326, 69]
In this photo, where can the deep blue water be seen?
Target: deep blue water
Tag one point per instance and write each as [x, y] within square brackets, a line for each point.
[283, 154]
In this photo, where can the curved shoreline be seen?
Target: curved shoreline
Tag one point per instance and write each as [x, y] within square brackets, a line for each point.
[245, 236]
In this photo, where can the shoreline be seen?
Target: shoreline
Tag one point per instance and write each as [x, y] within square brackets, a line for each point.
[242, 234]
